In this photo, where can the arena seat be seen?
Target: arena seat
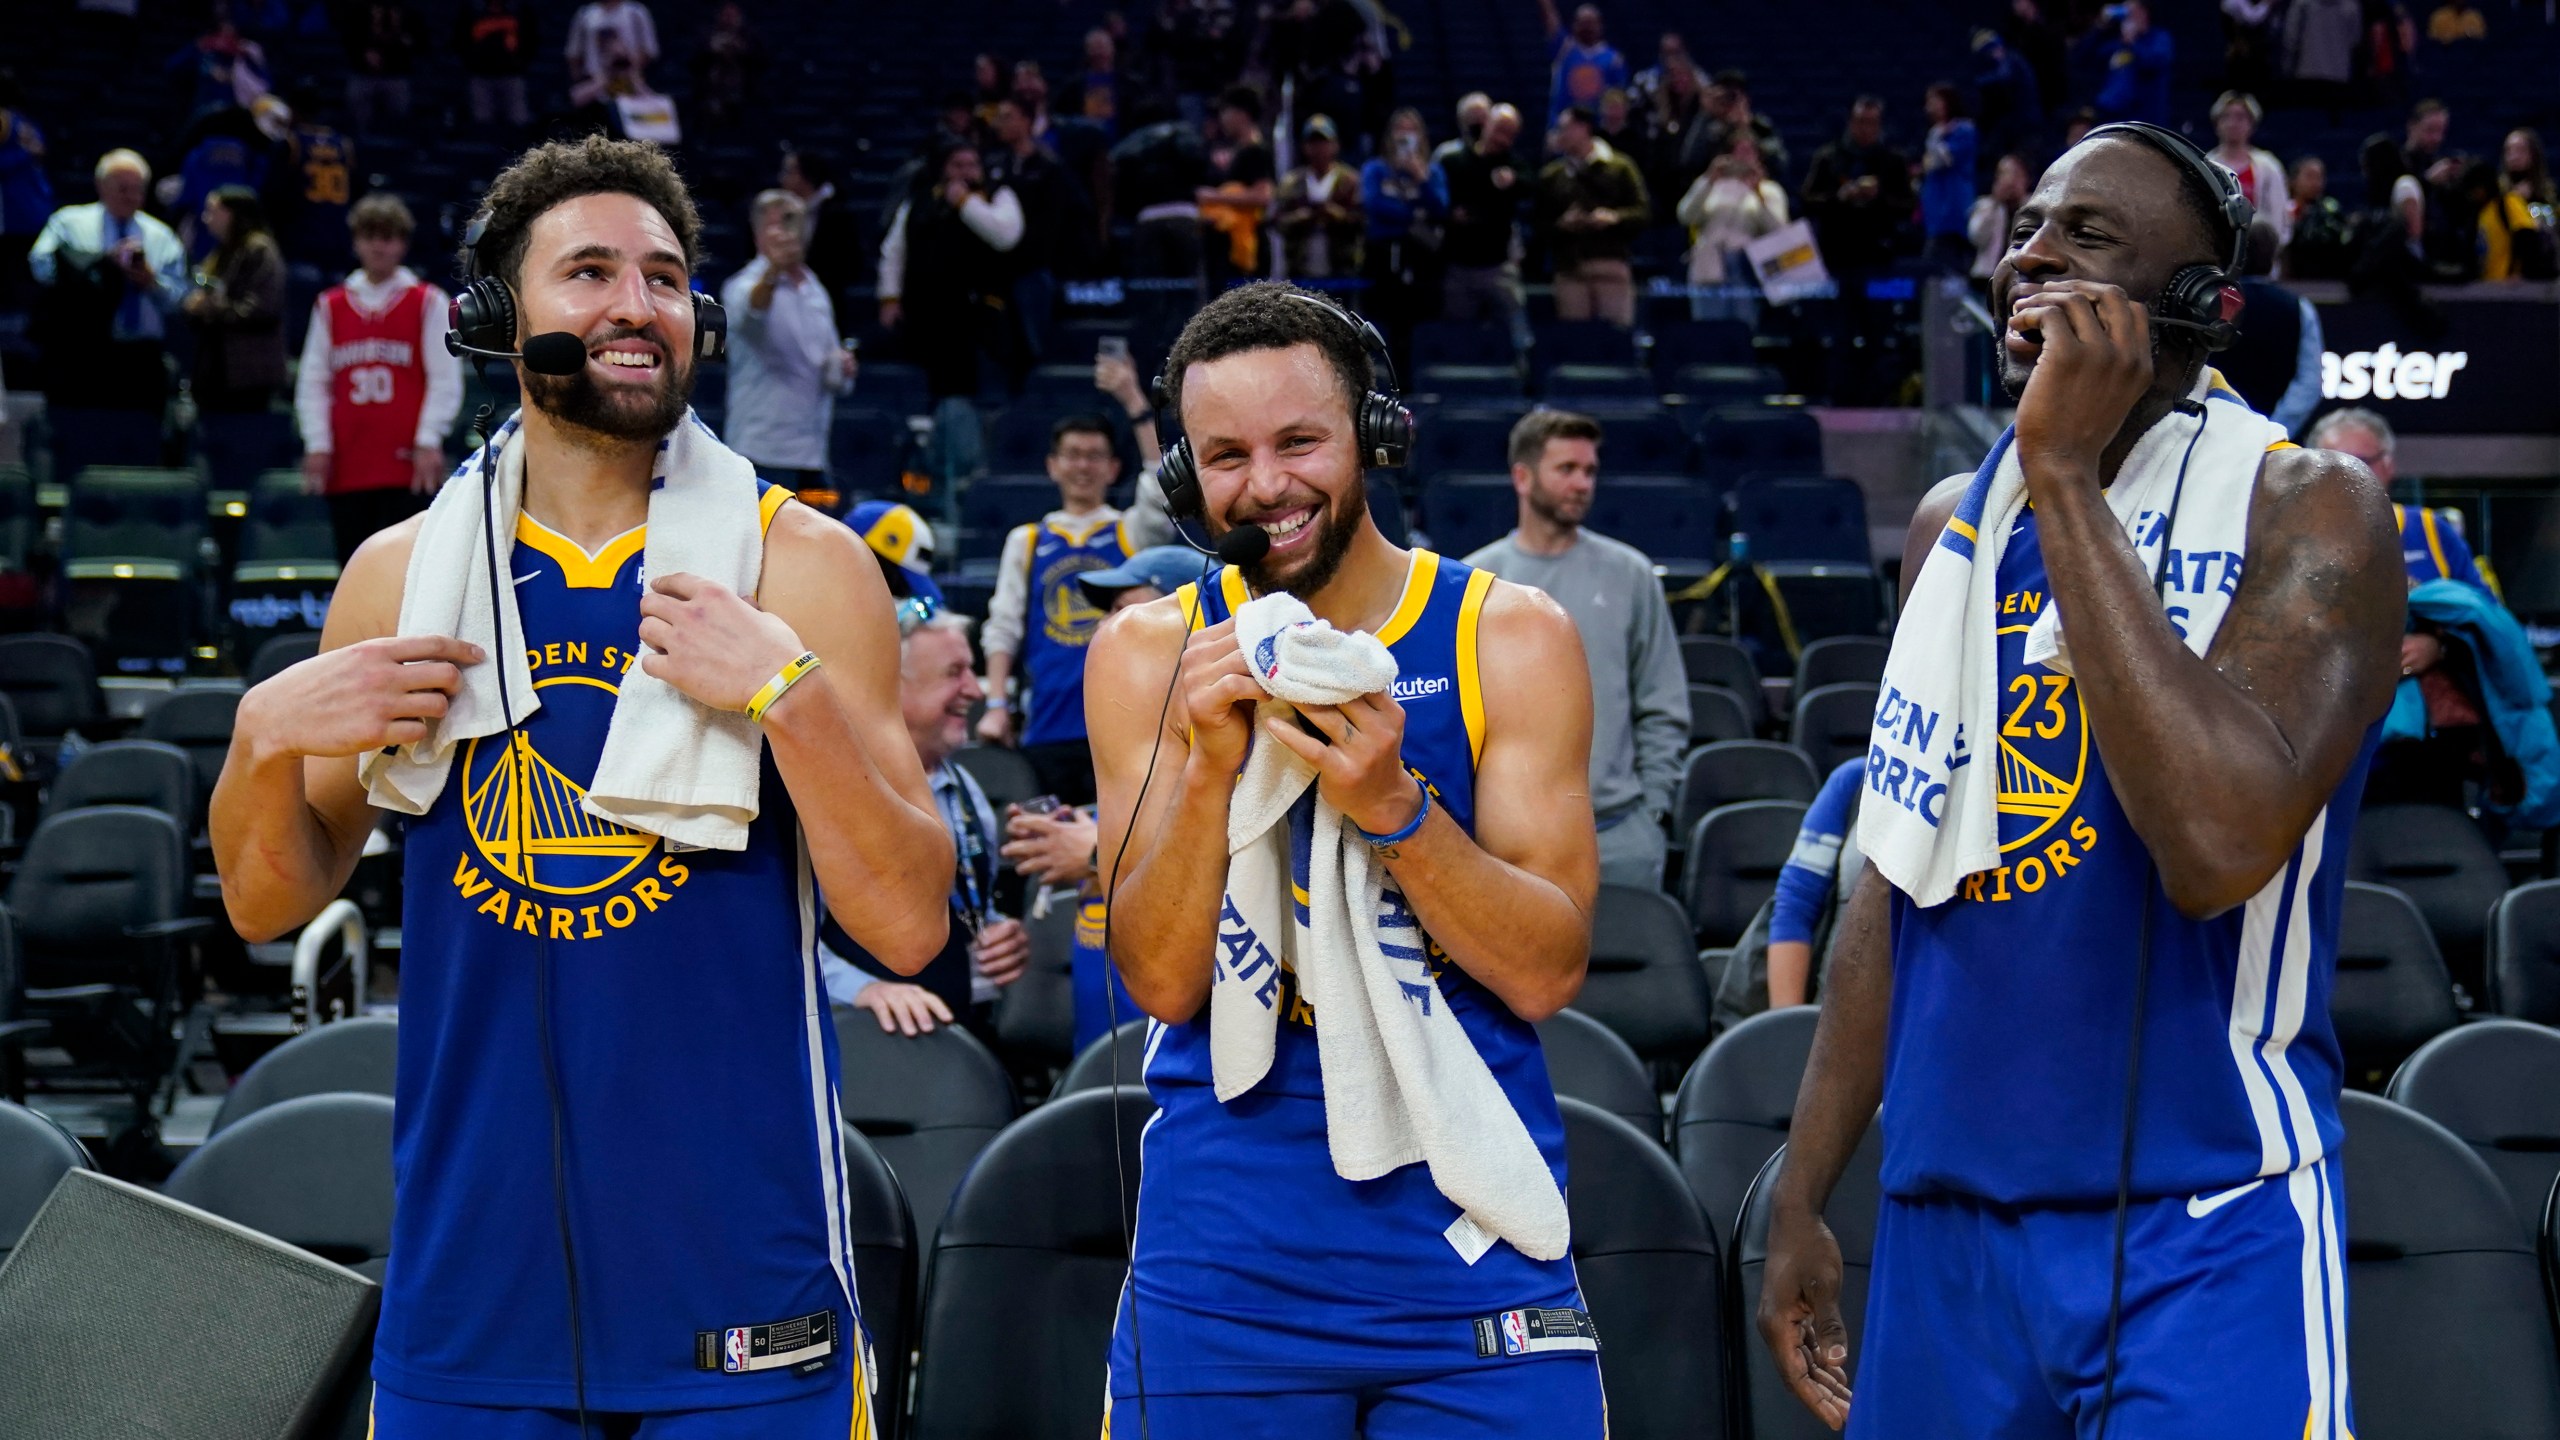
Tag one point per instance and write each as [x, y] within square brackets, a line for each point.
[1734, 855]
[1644, 982]
[100, 900]
[866, 447]
[313, 1171]
[1573, 384]
[2449, 1331]
[1818, 518]
[1642, 438]
[1458, 342]
[2524, 952]
[1717, 716]
[2496, 1085]
[355, 1056]
[2391, 993]
[993, 506]
[928, 1103]
[17, 1031]
[149, 773]
[1586, 1061]
[35, 1153]
[53, 685]
[1464, 440]
[1734, 1108]
[1035, 1019]
[1671, 518]
[286, 561]
[2435, 855]
[1841, 660]
[1651, 1276]
[198, 722]
[1026, 1274]
[1092, 1067]
[1735, 441]
[279, 653]
[885, 1267]
[1001, 771]
[1701, 342]
[1729, 771]
[1834, 723]
[1715, 660]
[1465, 513]
[20, 521]
[1769, 1410]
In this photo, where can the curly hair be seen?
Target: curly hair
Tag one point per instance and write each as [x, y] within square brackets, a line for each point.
[1269, 315]
[554, 174]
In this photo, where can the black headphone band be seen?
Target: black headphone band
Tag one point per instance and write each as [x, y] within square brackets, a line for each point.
[2236, 212]
[1382, 424]
[484, 310]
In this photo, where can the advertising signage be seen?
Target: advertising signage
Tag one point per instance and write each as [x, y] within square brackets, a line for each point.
[2487, 366]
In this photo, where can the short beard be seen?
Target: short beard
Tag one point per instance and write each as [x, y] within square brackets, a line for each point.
[1556, 511]
[1341, 526]
[580, 402]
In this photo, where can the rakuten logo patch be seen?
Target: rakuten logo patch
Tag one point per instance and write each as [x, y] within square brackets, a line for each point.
[2386, 374]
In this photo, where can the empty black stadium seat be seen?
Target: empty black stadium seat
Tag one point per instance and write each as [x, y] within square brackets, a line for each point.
[198, 722]
[1580, 342]
[887, 1264]
[1715, 660]
[1735, 1106]
[1586, 1061]
[1717, 715]
[1841, 660]
[1671, 518]
[148, 773]
[1093, 1068]
[1019, 1299]
[1734, 855]
[928, 1103]
[2391, 994]
[1035, 1019]
[53, 684]
[1834, 723]
[100, 899]
[280, 653]
[1464, 440]
[1007, 778]
[1651, 1277]
[1465, 513]
[2524, 952]
[993, 505]
[1570, 384]
[2435, 855]
[1769, 1410]
[359, 1056]
[1643, 439]
[35, 1153]
[313, 1171]
[1818, 518]
[2495, 1084]
[1644, 981]
[1702, 342]
[2449, 1331]
[1739, 440]
[1729, 771]
[1459, 342]
[866, 447]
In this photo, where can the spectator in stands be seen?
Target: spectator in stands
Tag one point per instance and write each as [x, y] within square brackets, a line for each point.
[1404, 203]
[1677, 114]
[986, 951]
[1039, 618]
[2012, 102]
[376, 392]
[1621, 129]
[2318, 249]
[2275, 364]
[1580, 62]
[1946, 179]
[831, 234]
[112, 278]
[2422, 144]
[725, 64]
[1645, 87]
[1639, 692]
[26, 193]
[237, 308]
[1730, 206]
[2524, 172]
[2431, 547]
[496, 38]
[1023, 164]
[1487, 190]
[382, 44]
[2077, 127]
[1988, 226]
[1242, 176]
[2248, 41]
[1031, 92]
[988, 84]
[2026, 31]
[945, 277]
[2456, 21]
[2517, 219]
[1806, 881]
[1857, 192]
[314, 182]
[1157, 173]
[222, 147]
[785, 367]
[602, 28]
[1727, 103]
[902, 542]
[1591, 208]
[2261, 175]
[1474, 108]
[1096, 92]
[224, 69]
[1316, 208]
[2317, 42]
[2137, 58]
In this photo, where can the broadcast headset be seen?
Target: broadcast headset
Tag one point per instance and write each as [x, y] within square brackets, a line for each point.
[483, 319]
[2202, 298]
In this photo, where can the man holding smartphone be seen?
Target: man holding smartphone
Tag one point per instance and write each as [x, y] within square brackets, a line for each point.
[785, 369]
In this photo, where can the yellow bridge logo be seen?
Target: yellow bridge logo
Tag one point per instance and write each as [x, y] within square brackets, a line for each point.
[2040, 713]
[527, 821]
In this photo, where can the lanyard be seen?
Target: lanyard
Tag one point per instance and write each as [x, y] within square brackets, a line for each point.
[968, 901]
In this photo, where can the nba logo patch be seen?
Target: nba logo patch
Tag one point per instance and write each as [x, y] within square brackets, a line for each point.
[1266, 656]
[733, 1349]
[1515, 1332]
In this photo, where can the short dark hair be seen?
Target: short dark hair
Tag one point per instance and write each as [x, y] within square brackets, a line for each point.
[382, 213]
[1241, 97]
[1529, 438]
[2425, 108]
[548, 176]
[1580, 115]
[1269, 315]
[1083, 422]
[1951, 97]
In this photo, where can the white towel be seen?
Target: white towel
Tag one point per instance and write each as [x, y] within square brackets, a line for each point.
[1931, 816]
[671, 766]
[1402, 1081]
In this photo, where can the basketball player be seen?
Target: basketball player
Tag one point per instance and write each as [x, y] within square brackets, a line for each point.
[2003, 1064]
[688, 1159]
[1270, 1297]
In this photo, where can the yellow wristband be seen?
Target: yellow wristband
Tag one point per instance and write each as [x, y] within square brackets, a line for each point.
[780, 685]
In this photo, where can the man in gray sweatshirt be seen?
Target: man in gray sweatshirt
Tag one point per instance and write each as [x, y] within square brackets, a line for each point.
[1639, 693]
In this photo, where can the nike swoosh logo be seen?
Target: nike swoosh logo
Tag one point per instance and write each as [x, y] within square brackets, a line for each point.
[536, 575]
[2200, 1206]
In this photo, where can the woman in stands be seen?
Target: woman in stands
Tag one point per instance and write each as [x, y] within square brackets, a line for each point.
[237, 307]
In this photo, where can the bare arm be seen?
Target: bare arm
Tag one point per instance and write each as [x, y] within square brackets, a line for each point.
[876, 839]
[289, 819]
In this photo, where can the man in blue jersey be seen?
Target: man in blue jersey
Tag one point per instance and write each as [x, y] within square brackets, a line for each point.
[618, 1153]
[1269, 1295]
[2161, 798]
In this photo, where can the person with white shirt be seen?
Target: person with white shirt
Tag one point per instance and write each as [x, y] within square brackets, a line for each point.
[601, 24]
[946, 285]
[115, 277]
[1988, 224]
[377, 392]
[2260, 173]
[785, 368]
[1732, 204]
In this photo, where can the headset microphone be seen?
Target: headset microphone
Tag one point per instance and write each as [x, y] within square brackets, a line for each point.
[554, 352]
[1243, 545]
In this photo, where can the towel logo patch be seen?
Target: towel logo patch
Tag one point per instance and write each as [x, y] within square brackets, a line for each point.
[1266, 656]
[1535, 1332]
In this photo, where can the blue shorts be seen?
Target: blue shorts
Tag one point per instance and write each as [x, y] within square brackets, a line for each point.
[1554, 1397]
[832, 1408]
[1988, 1322]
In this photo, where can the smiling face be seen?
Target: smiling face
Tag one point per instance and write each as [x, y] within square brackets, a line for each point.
[2112, 212]
[2233, 127]
[1083, 466]
[609, 269]
[1273, 433]
[936, 690]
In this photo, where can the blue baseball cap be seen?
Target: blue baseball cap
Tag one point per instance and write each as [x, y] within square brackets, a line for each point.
[897, 534]
[1164, 568]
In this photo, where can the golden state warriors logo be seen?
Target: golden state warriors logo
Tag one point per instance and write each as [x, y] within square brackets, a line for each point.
[1066, 616]
[2043, 763]
[553, 869]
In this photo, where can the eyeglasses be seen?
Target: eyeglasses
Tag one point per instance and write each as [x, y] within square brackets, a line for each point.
[914, 611]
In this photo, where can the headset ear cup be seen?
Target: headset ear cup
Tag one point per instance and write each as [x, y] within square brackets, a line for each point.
[1386, 432]
[710, 327]
[1179, 476]
[484, 315]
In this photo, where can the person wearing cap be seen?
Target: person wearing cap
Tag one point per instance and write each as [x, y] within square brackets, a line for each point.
[904, 543]
[2260, 173]
[1040, 620]
[1317, 209]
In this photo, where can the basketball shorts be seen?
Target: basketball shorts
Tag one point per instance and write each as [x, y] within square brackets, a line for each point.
[830, 1411]
[1987, 1322]
[1553, 1397]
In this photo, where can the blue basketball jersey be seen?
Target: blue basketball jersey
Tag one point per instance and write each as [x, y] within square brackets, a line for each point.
[2013, 1001]
[1062, 622]
[1258, 1268]
[704, 1175]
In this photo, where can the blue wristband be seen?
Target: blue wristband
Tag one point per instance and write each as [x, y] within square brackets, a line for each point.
[1406, 832]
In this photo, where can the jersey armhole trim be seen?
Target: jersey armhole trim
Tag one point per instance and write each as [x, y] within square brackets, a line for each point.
[770, 504]
[1470, 676]
[1422, 570]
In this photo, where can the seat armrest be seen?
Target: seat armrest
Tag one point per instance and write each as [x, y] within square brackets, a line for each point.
[183, 927]
[25, 1032]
